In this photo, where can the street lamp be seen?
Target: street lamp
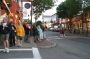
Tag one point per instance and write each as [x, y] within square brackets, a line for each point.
[31, 10]
[31, 15]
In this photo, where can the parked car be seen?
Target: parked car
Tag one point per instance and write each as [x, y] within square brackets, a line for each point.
[51, 28]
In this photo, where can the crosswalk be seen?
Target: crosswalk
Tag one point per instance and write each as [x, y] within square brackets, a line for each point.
[35, 51]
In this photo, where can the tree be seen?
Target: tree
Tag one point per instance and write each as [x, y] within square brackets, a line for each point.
[40, 5]
[61, 11]
[69, 9]
[73, 7]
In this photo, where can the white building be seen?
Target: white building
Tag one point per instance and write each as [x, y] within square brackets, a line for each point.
[46, 18]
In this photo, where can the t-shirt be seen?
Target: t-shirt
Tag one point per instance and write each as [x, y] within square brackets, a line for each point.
[20, 31]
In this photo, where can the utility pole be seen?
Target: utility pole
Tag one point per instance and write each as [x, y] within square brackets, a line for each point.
[31, 15]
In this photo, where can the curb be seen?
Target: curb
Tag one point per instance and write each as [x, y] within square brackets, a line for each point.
[53, 44]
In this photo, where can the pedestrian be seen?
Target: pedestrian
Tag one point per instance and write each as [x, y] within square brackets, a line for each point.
[1, 32]
[62, 33]
[12, 34]
[20, 33]
[27, 28]
[41, 37]
[5, 36]
[35, 33]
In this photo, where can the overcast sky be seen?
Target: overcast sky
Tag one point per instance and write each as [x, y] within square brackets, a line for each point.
[52, 10]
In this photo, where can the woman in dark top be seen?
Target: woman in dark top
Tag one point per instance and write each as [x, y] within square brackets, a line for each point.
[35, 34]
[27, 28]
[12, 34]
[1, 32]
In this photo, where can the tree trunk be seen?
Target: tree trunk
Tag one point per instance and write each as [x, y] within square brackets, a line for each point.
[82, 22]
[70, 25]
[88, 14]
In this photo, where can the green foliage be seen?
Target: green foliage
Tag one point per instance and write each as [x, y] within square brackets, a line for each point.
[27, 21]
[73, 7]
[61, 11]
[69, 8]
[40, 5]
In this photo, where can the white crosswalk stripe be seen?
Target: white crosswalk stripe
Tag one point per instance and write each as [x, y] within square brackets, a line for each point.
[36, 54]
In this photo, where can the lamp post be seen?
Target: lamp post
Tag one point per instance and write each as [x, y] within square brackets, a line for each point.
[31, 15]
[31, 10]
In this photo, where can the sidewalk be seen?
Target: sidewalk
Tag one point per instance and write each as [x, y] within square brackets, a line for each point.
[46, 43]
[76, 35]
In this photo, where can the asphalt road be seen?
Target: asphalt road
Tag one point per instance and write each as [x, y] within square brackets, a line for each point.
[69, 47]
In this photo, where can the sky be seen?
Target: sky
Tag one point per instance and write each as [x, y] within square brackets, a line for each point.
[52, 10]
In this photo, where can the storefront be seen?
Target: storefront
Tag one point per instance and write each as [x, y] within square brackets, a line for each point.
[77, 24]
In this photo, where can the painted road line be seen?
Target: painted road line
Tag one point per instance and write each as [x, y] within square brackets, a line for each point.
[17, 49]
[35, 51]
[20, 58]
[20, 49]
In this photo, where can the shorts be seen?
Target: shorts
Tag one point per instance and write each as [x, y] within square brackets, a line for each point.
[19, 38]
[5, 36]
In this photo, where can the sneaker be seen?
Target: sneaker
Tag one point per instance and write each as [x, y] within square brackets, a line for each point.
[7, 50]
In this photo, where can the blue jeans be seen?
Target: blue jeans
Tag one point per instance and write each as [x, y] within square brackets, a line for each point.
[26, 37]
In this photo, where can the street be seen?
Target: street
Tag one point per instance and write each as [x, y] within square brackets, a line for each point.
[72, 47]
[69, 47]
[45, 29]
